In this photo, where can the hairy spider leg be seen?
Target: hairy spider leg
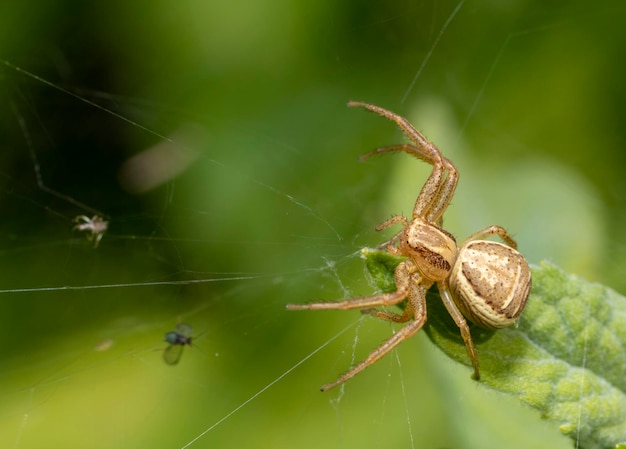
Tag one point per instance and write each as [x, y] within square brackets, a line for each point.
[410, 286]
[402, 275]
[416, 309]
[389, 244]
[457, 316]
[423, 149]
[444, 195]
[436, 194]
[409, 130]
[433, 184]
[492, 230]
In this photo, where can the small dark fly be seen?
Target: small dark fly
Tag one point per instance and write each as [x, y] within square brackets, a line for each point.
[177, 339]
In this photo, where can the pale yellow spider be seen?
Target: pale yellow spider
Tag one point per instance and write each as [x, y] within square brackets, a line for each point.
[484, 281]
[95, 227]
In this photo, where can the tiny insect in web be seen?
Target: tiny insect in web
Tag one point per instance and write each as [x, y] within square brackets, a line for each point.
[177, 339]
[95, 227]
[484, 281]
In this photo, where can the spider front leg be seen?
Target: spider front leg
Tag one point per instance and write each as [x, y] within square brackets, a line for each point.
[416, 308]
[408, 312]
[408, 288]
[389, 244]
[389, 316]
[402, 277]
[392, 221]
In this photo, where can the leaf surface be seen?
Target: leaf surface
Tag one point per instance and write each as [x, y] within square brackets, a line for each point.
[566, 357]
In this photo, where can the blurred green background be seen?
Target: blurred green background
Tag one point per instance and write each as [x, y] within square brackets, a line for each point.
[246, 194]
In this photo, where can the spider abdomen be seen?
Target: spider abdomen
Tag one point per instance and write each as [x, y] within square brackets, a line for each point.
[490, 283]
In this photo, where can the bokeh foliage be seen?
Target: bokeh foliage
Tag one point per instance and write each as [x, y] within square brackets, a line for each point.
[527, 98]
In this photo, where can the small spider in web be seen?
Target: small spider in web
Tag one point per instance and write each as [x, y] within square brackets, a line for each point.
[95, 227]
[484, 281]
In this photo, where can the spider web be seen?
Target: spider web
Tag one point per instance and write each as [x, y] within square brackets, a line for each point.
[261, 202]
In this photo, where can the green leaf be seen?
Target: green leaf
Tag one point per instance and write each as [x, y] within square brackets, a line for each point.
[565, 357]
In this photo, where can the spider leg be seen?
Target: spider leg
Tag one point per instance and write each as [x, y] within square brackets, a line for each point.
[493, 230]
[436, 193]
[385, 299]
[97, 239]
[433, 194]
[433, 184]
[81, 218]
[389, 316]
[392, 221]
[408, 312]
[389, 244]
[425, 150]
[417, 308]
[458, 318]
[402, 277]
[444, 195]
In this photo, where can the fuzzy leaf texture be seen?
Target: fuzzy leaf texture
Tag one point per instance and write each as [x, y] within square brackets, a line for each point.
[566, 357]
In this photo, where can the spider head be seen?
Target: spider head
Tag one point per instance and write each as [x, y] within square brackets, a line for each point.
[431, 248]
